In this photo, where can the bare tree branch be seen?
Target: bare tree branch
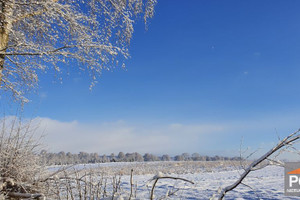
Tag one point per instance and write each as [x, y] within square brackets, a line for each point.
[156, 178]
[283, 143]
[43, 35]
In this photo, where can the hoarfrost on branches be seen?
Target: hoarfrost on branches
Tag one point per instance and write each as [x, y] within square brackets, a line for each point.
[40, 35]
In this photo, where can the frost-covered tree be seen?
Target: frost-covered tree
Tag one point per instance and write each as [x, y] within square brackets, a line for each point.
[105, 159]
[150, 157]
[43, 35]
[179, 158]
[134, 157]
[196, 157]
[186, 156]
[112, 157]
[165, 158]
[138, 157]
[121, 156]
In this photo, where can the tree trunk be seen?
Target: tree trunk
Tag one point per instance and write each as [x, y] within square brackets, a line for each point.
[5, 25]
[3, 46]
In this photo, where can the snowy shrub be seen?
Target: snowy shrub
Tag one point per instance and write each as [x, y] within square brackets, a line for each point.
[20, 165]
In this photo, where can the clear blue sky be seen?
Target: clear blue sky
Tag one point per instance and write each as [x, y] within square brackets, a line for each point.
[206, 73]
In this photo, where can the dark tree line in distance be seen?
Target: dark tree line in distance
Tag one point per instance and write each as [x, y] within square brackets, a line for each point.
[63, 158]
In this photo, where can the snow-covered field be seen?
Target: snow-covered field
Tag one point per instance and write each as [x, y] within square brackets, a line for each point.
[267, 183]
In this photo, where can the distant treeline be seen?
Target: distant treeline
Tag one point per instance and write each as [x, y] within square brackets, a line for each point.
[63, 158]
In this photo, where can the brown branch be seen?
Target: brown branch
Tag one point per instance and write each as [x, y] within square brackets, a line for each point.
[25, 195]
[131, 184]
[35, 53]
[55, 50]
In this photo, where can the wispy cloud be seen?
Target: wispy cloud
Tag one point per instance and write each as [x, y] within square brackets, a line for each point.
[120, 136]
[223, 138]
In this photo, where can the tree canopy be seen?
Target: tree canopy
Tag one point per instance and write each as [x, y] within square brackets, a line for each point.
[41, 35]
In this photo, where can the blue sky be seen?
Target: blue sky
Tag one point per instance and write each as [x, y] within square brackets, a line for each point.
[202, 77]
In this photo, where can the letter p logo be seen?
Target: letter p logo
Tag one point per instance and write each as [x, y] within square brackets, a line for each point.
[292, 179]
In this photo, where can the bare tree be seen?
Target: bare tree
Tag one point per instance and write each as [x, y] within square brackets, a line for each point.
[41, 35]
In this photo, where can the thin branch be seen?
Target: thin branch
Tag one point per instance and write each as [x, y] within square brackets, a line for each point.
[57, 50]
[166, 177]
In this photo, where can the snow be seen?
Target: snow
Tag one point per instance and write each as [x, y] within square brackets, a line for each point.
[266, 183]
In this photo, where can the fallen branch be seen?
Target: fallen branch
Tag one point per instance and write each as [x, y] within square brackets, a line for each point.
[26, 195]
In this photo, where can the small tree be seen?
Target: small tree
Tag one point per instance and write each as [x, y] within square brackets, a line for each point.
[40, 35]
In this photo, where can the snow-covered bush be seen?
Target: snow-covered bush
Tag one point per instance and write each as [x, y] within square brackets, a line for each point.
[20, 164]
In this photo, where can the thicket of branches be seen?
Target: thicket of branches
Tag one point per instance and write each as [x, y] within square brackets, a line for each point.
[20, 163]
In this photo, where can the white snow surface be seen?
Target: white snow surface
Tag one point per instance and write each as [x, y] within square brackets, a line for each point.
[266, 183]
